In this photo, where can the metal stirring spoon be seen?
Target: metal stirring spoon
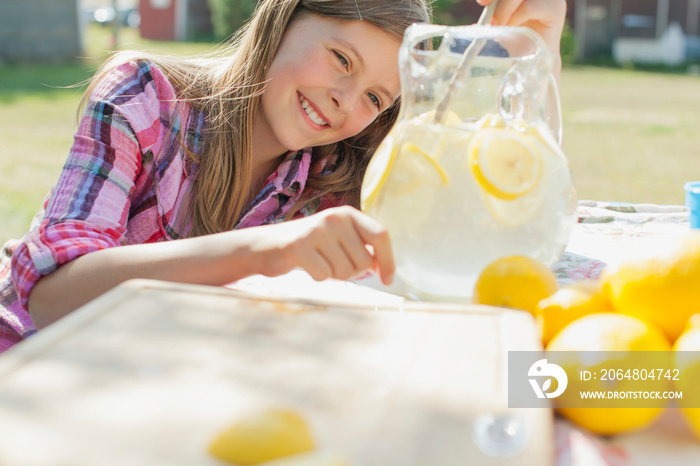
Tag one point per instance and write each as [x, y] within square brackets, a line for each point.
[471, 52]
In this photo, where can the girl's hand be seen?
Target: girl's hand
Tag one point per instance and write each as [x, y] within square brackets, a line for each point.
[545, 17]
[341, 243]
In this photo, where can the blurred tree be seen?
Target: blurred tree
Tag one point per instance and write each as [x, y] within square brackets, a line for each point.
[229, 15]
[442, 11]
[568, 45]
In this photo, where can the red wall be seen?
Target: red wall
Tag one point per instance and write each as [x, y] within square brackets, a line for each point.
[157, 24]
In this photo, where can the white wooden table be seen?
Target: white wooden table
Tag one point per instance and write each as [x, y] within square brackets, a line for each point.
[150, 372]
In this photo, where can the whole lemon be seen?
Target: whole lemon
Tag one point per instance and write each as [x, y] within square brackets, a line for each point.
[607, 332]
[663, 289]
[687, 361]
[518, 282]
[569, 303]
[264, 436]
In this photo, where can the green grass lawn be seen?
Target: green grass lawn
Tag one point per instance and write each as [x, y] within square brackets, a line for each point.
[38, 118]
[629, 135]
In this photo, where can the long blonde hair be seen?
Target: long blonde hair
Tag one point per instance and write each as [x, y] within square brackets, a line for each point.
[227, 87]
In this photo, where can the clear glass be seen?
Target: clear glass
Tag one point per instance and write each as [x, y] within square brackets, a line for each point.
[446, 191]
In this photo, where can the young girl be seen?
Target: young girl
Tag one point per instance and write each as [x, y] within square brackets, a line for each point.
[216, 153]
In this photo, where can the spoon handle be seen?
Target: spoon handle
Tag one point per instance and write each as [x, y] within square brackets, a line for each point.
[471, 52]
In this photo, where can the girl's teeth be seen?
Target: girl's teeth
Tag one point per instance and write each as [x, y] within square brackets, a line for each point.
[314, 117]
[309, 111]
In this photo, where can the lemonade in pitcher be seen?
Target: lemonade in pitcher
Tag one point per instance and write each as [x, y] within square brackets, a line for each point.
[486, 180]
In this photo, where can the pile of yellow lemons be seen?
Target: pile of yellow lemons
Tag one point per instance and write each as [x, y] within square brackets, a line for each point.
[649, 303]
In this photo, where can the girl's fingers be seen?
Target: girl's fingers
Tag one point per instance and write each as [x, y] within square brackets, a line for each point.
[351, 235]
[357, 253]
[373, 234]
[545, 17]
[339, 260]
[316, 265]
[341, 242]
[525, 13]
[354, 246]
[547, 12]
[504, 11]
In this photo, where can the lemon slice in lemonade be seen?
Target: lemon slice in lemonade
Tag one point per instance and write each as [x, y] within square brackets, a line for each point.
[516, 212]
[378, 171]
[504, 163]
[417, 167]
[414, 169]
[411, 169]
[451, 118]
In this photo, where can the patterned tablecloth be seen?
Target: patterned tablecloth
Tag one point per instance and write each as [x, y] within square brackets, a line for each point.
[608, 232]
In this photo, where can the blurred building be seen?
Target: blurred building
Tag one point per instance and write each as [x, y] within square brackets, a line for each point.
[641, 31]
[46, 31]
[105, 12]
[174, 19]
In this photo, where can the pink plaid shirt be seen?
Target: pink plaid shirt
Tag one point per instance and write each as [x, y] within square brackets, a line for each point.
[123, 183]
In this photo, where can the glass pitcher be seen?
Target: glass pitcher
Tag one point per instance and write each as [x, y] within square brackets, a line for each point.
[487, 178]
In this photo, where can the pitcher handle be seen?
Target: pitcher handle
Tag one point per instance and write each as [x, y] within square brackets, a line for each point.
[554, 115]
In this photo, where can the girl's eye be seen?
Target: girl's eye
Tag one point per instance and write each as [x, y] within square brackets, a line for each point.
[375, 100]
[342, 59]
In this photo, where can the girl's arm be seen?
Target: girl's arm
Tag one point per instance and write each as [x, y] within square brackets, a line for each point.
[336, 243]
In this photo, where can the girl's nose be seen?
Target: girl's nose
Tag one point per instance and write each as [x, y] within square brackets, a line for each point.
[344, 100]
[338, 106]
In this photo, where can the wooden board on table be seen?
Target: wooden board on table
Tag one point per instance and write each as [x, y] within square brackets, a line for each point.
[150, 372]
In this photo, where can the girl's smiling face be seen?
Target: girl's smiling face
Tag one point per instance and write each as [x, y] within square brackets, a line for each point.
[328, 81]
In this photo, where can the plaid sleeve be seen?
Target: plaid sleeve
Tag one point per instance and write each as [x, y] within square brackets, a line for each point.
[90, 205]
